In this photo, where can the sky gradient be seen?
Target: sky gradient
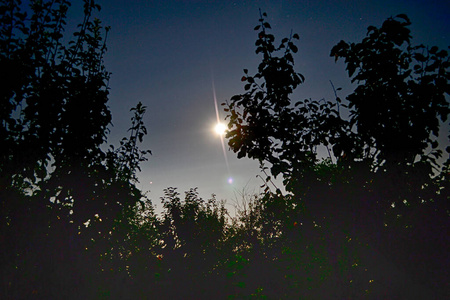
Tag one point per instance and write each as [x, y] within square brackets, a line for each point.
[169, 54]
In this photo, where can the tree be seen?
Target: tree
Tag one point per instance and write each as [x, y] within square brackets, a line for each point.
[54, 96]
[383, 182]
[194, 233]
[395, 112]
[263, 123]
[58, 188]
[400, 101]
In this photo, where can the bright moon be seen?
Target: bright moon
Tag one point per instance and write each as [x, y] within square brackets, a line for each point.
[220, 128]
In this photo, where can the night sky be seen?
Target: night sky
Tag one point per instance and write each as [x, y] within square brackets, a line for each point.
[168, 55]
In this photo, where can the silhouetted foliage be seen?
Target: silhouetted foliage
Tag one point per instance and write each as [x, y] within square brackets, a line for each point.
[392, 114]
[383, 176]
[61, 193]
[400, 99]
[369, 221]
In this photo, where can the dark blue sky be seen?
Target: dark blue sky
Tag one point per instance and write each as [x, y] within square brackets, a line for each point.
[166, 54]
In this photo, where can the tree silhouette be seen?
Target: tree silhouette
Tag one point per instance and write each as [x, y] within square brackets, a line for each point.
[399, 103]
[194, 232]
[393, 113]
[400, 100]
[264, 125]
[60, 191]
[383, 176]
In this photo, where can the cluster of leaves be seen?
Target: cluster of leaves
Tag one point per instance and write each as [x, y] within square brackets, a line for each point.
[126, 159]
[258, 118]
[54, 96]
[400, 98]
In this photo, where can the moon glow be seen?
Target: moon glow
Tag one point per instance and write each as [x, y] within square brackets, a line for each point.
[220, 128]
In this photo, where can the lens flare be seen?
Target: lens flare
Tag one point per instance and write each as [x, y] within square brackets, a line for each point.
[220, 129]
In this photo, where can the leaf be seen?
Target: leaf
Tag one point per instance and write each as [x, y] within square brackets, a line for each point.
[442, 54]
[420, 57]
[302, 77]
[294, 48]
[433, 50]
[371, 28]
[404, 17]
[351, 70]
